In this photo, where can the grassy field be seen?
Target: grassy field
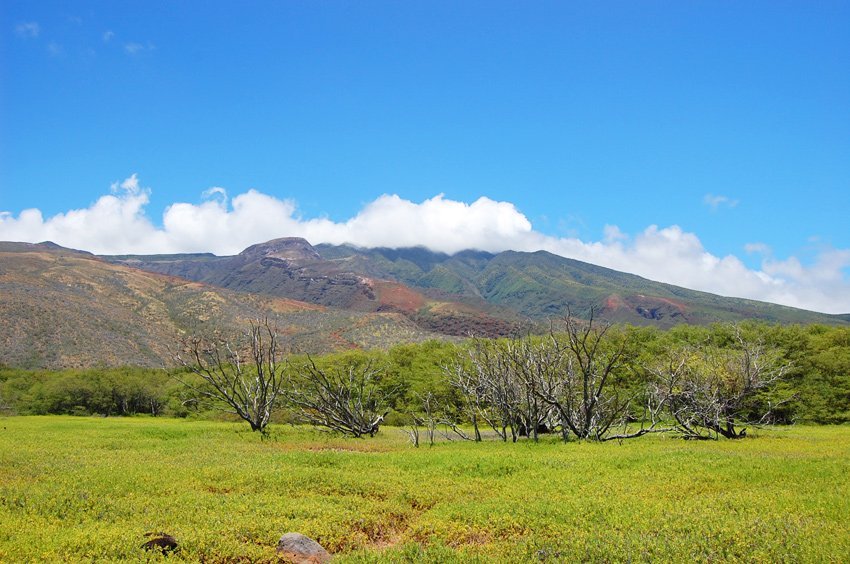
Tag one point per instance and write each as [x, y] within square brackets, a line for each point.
[75, 489]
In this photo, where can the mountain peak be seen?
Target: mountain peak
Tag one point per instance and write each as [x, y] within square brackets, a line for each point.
[287, 248]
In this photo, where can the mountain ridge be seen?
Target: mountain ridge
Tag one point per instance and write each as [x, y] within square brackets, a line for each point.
[64, 309]
[591, 281]
[526, 285]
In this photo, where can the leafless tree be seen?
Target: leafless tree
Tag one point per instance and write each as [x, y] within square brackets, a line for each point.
[712, 392]
[431, 416]
[575, 374]
[532, 362]
[471, 391]
[440, 417]
[345, 399]
[491, 389]
[413, 432]
[428, 417]
[242, 376]
[565, 380]
[542, 367]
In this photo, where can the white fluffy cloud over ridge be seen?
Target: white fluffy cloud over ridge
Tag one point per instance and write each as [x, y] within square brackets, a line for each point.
[117, 224]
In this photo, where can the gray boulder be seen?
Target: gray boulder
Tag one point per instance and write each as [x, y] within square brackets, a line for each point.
[300, 549]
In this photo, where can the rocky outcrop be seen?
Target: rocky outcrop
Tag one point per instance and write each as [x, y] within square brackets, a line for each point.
[293, 249]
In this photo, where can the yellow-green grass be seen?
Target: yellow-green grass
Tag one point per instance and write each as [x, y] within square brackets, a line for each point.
[81, 489]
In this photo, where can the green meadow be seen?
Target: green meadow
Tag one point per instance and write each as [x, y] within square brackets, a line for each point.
[89, 488]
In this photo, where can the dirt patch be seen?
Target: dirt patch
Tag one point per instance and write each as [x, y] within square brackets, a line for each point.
[393, 296]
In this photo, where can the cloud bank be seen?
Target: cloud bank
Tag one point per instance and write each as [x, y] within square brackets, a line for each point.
[117, 224]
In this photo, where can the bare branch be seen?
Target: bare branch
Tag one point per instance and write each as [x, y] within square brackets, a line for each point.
[226, 382]
[346, 400]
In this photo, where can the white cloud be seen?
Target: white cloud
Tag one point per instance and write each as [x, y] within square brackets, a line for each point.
[714, 202]
[612, 234]
[54, 49]
[28, 30]
[215, 191]
[757, 249]
[114, 222]
[441, 224]
[128, 185]
[108, 36]
[117, 224]
[134, 48]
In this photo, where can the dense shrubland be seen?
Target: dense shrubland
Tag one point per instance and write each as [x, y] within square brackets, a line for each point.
[440, 385]
[103, 391]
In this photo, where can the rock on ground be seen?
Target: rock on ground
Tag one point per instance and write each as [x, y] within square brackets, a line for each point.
[163, 542]
[301, 549]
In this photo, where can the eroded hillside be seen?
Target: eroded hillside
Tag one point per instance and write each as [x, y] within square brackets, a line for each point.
[64, 308]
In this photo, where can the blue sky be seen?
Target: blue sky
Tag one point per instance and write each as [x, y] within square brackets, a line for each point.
[726, 125]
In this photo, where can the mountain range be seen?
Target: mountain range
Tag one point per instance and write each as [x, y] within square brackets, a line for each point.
[512, 286]
[66, 309]
[72, 308]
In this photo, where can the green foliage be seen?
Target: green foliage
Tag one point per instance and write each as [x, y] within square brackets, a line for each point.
[107, 391]
[418, 369]
[818, 381]
[822, 379]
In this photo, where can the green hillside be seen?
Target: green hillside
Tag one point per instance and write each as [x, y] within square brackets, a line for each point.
[475, 289]
[542, 284]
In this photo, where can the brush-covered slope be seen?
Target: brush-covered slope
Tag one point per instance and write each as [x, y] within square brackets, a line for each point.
[65, 308]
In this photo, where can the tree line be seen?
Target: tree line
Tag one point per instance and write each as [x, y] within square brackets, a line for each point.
[104, 391]
[583, 379]
[586, 381]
